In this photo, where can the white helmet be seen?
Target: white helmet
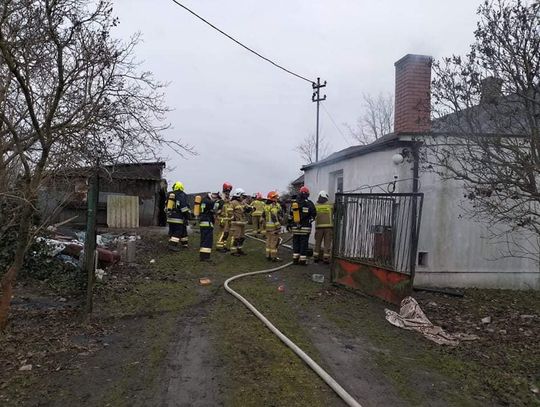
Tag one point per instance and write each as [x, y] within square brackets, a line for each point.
[323, 194]
[238, 192]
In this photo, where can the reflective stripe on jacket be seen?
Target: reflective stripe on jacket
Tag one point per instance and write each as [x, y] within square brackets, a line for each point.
[258, 207]
[206, 218]
[272, 216]
[325, 213]
[180, 207]
[238, 211]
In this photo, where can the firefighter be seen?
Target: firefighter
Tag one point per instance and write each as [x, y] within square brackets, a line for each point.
[223, 217]
[177, 216]
[239, 210]
[324, 226]
[273, 217]
[301, 216]
[206, 226]
[257, 215]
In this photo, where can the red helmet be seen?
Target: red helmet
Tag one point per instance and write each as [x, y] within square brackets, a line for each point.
[227, 187]
[272, 196]
[304, 190]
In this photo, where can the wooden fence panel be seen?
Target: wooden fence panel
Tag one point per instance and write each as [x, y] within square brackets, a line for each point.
[122, 211]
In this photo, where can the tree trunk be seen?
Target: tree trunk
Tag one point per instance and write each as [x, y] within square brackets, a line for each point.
[8, 280]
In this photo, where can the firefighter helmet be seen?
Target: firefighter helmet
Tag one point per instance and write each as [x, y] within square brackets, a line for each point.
[238, 192]
[227, 187]
[178, 186]
[272, 196]
[304, 191]
[323, 194]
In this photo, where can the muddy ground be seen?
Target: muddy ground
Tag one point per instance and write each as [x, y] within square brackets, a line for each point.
[159, 338]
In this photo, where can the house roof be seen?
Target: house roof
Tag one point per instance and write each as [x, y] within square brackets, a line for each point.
[299, 180]
[387, 141]
[152, 171]
[149, 171]
[502, 118]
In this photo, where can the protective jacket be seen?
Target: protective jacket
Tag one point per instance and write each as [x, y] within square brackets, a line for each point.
[258, 207]
[177, 207]
[273, 216]
[206, 218]
[325, 215]
[238, 212]
[307, 216]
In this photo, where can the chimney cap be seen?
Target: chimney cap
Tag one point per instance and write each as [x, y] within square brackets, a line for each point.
[414, 58]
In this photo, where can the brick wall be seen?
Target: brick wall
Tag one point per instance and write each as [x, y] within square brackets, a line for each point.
[412, 98]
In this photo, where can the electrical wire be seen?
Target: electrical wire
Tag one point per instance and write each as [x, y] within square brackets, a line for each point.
[242, 45]
[389, 185]
[334, 123]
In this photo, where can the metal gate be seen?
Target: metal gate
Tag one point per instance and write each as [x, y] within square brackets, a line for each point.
[375, 243]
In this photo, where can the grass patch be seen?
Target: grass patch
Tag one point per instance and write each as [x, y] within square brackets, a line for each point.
[412, 363]
[259, 368]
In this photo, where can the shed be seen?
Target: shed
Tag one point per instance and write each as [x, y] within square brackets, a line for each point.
[64, 196]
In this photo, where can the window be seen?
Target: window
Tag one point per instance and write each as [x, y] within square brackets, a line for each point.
[335, 184]
[422, 258]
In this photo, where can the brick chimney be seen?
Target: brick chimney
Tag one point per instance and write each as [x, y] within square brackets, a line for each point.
[412, 100]
[491, 89]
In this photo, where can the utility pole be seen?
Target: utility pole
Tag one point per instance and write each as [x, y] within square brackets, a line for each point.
[316, 97]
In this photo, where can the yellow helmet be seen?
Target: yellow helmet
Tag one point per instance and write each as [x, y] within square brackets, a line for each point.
[178, 186]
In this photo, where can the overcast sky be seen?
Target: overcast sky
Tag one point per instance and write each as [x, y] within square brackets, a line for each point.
[244, 116]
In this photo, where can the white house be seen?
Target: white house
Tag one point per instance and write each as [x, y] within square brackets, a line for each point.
[452, 250]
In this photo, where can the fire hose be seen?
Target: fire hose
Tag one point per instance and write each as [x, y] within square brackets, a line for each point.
[334, 385]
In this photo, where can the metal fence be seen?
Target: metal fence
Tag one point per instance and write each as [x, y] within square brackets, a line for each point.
[379, 230]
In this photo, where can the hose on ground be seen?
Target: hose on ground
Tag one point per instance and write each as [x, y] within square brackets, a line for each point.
[334, 385]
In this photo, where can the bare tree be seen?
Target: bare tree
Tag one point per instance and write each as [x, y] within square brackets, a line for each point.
[487, 126]
[376, 120]
[70, 96]
[308, 146]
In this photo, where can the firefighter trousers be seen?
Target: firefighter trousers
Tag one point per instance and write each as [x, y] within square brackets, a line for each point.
[272, 242]
[300, 247]
[323, 244]
[178, 233]
[238, 232]
[257, 224]
[207, 240]
[223, 233]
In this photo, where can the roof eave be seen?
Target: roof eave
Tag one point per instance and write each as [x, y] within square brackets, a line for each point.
[394, 142]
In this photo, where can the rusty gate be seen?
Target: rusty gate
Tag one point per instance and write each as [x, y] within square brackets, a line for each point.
[375, 242]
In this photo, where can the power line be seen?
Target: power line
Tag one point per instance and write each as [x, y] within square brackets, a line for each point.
[334, 123]
[239, 43]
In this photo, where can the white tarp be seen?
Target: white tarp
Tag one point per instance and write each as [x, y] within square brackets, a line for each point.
[412, 317]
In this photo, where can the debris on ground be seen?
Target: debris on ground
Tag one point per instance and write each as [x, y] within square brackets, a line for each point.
[68, 247]
[486, 320]
[412, 317]
[318, 278]
[205, 281]
[100, 273]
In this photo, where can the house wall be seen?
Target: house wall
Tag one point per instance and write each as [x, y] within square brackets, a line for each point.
[458, 252]
[370, 169]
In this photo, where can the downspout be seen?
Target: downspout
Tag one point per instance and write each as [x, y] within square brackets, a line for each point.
[414, 217]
